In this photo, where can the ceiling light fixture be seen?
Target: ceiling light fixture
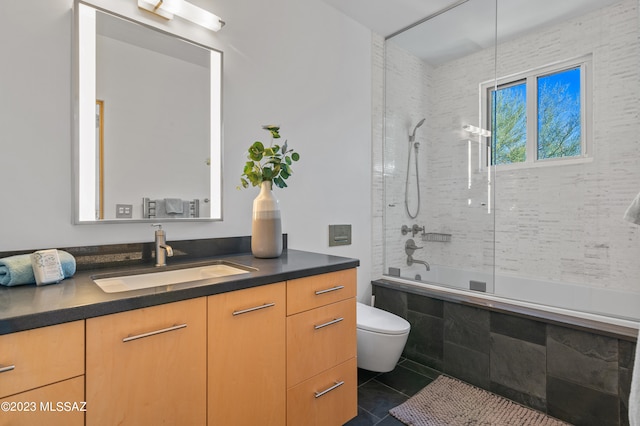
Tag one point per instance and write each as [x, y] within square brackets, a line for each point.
[168, 8]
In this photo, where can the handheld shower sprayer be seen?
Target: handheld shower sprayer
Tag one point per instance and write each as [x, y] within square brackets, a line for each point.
[414, 144]
[412, 137]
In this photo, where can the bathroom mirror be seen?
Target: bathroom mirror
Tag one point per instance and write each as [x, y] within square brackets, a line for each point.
[147, 113]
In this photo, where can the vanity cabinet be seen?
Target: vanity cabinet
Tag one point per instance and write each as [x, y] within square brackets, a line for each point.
[147, 366]
[246, 356]
[274, 354]
[39, 369]
[321, 349]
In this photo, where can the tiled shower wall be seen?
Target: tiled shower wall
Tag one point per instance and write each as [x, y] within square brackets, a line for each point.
[577, 376]
[556, 222]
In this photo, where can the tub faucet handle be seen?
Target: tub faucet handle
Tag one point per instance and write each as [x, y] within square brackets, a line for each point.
[415, 229]
[410, 246]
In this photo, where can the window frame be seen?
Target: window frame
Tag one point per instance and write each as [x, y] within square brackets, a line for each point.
[530, 77]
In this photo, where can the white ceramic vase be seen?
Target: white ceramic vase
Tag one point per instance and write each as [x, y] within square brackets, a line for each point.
[266, 225]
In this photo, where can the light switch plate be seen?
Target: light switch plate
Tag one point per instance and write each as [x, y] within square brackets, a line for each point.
[339, 235]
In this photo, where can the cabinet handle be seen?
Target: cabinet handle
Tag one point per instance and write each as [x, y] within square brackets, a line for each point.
[337, 385]
[7, 368]
[335, 321]
[153, 333]
[338, 287]
[256, 308]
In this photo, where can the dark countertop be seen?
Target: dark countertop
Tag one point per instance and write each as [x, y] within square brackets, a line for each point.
[30, 306]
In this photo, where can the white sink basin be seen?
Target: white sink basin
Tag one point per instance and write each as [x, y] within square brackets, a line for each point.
[177, 276]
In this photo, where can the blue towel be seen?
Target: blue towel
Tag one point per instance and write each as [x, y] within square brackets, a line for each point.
[17, 270]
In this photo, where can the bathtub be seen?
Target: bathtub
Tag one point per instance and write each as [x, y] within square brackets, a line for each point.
[595, 308]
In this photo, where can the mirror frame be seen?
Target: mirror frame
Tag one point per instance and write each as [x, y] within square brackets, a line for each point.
[216, 149]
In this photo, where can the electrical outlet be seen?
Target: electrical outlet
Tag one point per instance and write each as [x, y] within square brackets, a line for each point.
[124, 211]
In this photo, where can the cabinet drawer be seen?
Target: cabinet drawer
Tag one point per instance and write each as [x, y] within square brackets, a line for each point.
[59, 404]
[320, 339]
[328, 399]
[34, 358]
[310, 292]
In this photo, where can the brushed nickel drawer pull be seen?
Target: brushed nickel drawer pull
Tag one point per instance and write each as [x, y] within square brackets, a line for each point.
[335, 321]
[153, 333]
[337, 385]
[257, 308]
[7, 368]
[338, 287]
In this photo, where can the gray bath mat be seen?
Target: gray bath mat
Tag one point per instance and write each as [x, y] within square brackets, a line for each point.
[450, 402]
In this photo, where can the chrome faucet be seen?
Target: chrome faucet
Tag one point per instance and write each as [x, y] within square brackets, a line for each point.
[163, 250]
[409, 248]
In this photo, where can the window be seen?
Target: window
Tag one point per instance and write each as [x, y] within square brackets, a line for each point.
[540, 115]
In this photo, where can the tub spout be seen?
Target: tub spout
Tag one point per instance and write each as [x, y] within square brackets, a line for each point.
[411, 261]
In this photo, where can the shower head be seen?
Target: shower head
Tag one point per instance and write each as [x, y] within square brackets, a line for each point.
[413, 135]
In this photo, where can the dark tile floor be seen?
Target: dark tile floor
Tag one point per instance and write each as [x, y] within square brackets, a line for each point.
[379, 392]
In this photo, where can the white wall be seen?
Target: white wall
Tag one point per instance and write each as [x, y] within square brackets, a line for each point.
[298, 63]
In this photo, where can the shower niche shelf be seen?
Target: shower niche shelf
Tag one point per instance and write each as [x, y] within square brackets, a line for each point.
[436, 237]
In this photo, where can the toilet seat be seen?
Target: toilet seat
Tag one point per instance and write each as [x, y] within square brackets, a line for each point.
[379, 321]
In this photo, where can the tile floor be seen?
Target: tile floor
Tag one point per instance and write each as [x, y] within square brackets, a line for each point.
[379, 392]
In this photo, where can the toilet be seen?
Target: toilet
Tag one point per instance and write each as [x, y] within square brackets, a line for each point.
[381, 338]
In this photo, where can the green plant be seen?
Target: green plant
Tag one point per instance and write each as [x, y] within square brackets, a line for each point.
[272, 163]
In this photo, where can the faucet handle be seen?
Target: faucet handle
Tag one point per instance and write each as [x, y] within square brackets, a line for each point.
[159, 231]
[416, 228]
[410, 246]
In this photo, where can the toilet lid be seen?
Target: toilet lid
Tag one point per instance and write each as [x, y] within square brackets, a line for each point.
[377, 320]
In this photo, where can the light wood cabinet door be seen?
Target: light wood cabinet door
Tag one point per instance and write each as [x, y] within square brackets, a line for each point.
[59, 404]
[318, 290]
[246, 357]
[320, 339]
[327, 399]
[38, 357]
[148, 366]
